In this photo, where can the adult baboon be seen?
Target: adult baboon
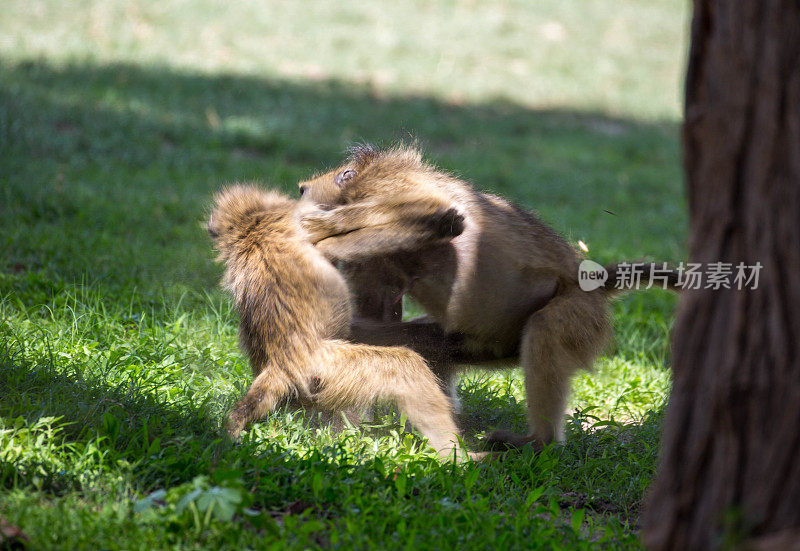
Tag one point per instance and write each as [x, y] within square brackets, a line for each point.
[506, 287]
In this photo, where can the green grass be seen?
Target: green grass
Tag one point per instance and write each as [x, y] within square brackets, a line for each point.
[118, 353]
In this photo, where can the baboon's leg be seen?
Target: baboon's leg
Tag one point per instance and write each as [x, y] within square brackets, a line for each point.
[426, 338]
[564, 336]
[266, 392]
[358, 375]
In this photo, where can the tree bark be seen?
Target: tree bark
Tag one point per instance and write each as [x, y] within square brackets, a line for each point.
[729, 471]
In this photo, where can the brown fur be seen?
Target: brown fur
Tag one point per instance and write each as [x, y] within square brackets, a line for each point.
[294, 309]
[505, 288]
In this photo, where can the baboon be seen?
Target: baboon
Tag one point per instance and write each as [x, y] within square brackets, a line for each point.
[295, 313]
[506, 288]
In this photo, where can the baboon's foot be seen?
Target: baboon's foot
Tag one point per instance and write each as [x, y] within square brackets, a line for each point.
[501, 440]
[235, 427]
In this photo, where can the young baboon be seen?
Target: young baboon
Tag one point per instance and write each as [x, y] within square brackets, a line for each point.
[294, 309]
[507, 287]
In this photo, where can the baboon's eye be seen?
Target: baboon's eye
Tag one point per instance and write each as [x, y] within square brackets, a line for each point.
[345, 176]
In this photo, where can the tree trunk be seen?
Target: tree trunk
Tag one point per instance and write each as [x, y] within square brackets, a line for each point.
[729, 471]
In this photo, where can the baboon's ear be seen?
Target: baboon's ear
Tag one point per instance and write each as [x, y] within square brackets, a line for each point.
[345, 176]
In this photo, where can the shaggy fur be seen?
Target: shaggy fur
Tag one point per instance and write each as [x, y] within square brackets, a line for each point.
[507, 287]
[294, 310]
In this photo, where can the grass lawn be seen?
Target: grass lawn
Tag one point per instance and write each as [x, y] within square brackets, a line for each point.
[118, 352]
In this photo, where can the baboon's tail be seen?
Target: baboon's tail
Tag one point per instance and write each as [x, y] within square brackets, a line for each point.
[630, 276]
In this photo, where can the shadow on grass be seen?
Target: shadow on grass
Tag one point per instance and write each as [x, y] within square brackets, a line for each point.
[110, 168]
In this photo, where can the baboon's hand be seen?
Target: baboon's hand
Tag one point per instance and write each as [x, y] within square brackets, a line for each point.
[318, 225]
[448, 223]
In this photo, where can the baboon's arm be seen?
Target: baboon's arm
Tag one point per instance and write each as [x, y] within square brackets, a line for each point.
[394, 226]
[366, 243]
[425, 337]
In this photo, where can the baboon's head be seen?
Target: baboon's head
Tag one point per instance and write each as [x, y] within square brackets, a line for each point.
[240, 209]
[365, 171]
